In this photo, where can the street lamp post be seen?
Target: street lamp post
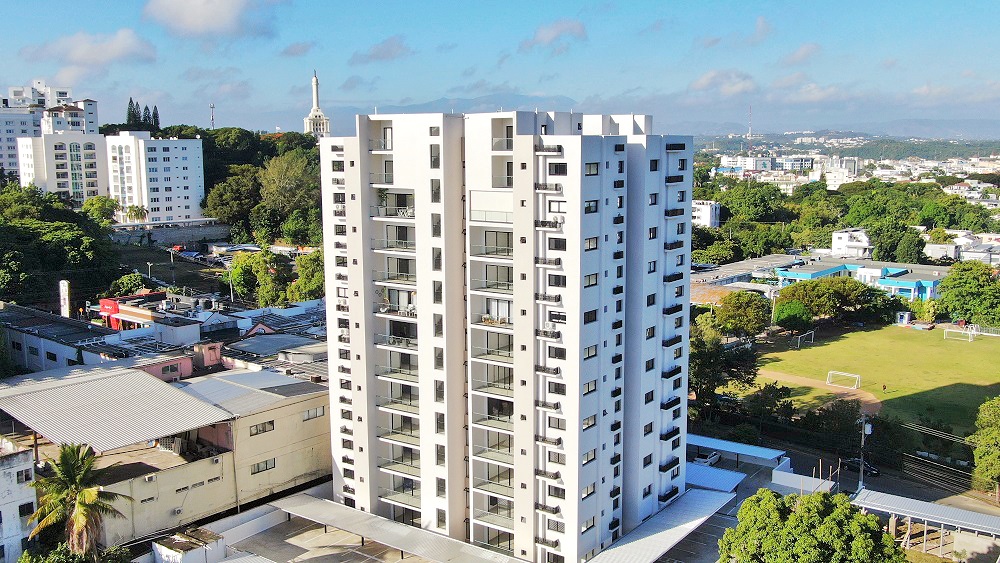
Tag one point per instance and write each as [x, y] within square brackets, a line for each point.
[149, 270]
[866, 430]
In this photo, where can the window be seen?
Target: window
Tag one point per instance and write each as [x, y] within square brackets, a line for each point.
[557, 423]
[678, 352]
[590, 243]
[681, 196]
[651, 300]
[588, 490]
[680, 259]
[648, 428]
[589, 456]
[439, 391]
[556, 280]
[621, 166]
[262, 427]
[557, 353]
[439, 450]
[557, 492]
[346, 414]
[338, 165]
[557, 316]
[679, 291]
[347, 444]
[314, 413]
[435, 131]
[589, 316]
[591, 169]
[439, 422]
[682, 164]
[172, 368]
[32, 350]
[676, 443]
[654, 165]
[590, 280]
[262, 466]
[435, 156]
[441, 518]
[557, 388]
[557, 457]
[26, 509]
[557, 244]
[589, 352]
[588, 524]
[24, 475]
[589, 421]
[556, 526]
[653, 199]
[50, 356]
[680, 228]
[676, 413]
[647, 461]
[435, 191]
[557, 206]
[647, 490]
[590, 387]
[652, 233]
[650, 332]
[441, 487]
[650, 364]
[557, 169]
[648, 398]
[590, 206]
[651, 267]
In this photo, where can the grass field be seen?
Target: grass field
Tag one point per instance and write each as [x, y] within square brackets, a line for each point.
[188, 274]
[803, 398]
[925, 375]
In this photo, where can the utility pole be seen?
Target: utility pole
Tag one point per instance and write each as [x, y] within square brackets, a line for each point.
[866, 429]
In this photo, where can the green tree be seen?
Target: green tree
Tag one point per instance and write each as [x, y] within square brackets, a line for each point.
[721, 252]
[147, 117]
[156, 118]
[744, 313]
[261, 276]
[136, 213]
[232, 200]
[129, 284]
[311, 282]
[130, 113]
[814, 528]
[72, 497]
[793, 316]
[971, 291]
[712, 366]
[753, 201]
[289, 182]
[939, 236]
[770, 400]
[101, 209]
[986, 441]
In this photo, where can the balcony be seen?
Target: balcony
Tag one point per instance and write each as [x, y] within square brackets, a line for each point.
[672, 310]
[548, 333]
[380, 144]
[676, 146]
[493, 286]
[501, 387]
[672, 341]
[348, 489]
[615, 522]
[616, 426]
[545, 224]
[618, 255]
[554, 544]
[492, 321]
[402, 435]
[617, 324]
[482, 250]
[340, 277]
[409, 467]
[346, 401]
[554, 475]
[547, 440]
[671, 434]
[617, 358]
[615, 491]
[346, 430]
[548, 261]
[672, 372]
[548, 297]
[406, 496]
[344, 338]
[503, 181]
[407, 311]
[676, 276]
[547, 509]
[665, 497]
[670, 464]
[343, 308]
[673, 245]
[498, 517]
[491, 216]
[405, 405]
[503, 144]
[547, 405]
[405, 342]
[504, 355]
[619, 184]
[675, 179]
[394, 244]
[499, 485]
[616, 392]
[498, 422]
[673, 213]
[618, 219]
[549, 148]
[405, 278]
[388, 212]
[406, 375]
[618, 290]
[616, 459]
[340, 246]
[670, 403]
[347, 460]
[337, 181]
[495, 455]
[548, 187]
[380, 178]
[339, 211]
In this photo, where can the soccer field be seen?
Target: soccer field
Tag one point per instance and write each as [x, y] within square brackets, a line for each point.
[924, 374]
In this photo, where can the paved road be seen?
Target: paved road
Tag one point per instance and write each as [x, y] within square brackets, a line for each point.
[869, 402]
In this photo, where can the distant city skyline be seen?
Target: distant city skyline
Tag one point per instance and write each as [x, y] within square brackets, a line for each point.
[800, 65]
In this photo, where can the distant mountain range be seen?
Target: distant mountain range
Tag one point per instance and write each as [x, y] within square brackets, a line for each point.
[968, 129]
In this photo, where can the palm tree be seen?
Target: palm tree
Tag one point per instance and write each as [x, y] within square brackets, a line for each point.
[72, 496]
[136, 213]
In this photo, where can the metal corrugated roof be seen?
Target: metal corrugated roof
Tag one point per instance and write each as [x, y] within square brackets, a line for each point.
[257, 379]
[233, 398]
[929, 511]
[713, 478]
[108, 409]
[734, 447]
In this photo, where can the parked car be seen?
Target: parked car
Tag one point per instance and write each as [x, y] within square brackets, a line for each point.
[707, 458]
[854, 464]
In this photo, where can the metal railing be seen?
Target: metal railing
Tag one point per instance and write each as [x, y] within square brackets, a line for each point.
[409, 310]
[548, 187]
[498, 354]
[492, 320]
[392, 212]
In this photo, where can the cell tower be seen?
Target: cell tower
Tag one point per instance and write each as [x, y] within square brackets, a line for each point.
[212, 107]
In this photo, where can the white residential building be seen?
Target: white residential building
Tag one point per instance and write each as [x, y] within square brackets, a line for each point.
[16, 474]
[316, 123]
[499, 267]
[70, 164]
[705, 213]
[23, 113]
[164, 176]
[851, 243]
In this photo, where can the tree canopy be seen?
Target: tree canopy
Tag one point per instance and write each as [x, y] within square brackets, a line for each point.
[842, 299]
[971, 291]
[814, 528]
[744, 313]
[712, 365]
[986, 440]
[310, 283]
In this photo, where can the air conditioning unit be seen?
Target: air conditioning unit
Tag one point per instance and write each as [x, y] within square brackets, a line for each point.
[149, 478]
[178, 511]
[549, 326]
[339, 207]
[345, 331]
[342, 302]
[560, 219]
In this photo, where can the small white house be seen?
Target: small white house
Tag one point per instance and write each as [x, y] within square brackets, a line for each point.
[851, 243]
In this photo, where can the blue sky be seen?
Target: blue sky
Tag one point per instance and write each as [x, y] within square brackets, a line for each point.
[802, 65]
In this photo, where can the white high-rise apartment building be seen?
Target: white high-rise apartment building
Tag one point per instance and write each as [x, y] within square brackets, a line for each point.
[164, 176]
[706, 213]
[23, 113]
[70, 164]
[508, 295]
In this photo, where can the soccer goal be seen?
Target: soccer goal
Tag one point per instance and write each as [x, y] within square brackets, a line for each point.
[807, 338]
[843, 379]
[960, 334]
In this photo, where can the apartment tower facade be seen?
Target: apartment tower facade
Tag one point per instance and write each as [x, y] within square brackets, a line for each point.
[510, 296]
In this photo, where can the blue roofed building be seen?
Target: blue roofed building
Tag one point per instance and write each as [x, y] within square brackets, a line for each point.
[909, 281]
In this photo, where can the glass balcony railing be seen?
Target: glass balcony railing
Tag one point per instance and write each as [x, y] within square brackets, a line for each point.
[400, 495]
[408, 375]
[394, 244]
[491, 216]
[394, 277]
[497, 286]
[499, 422]
[410, 405]
[503, 518]
[503, 144]
[406, 466]
[494, 454]
[493, 320]
[392, 212]
[502, 387]
[497, 485]
[505, 355]
[491, 251]
[503, 181]
[407, 342]
[408, 311]
[380, 177]
[409, 436]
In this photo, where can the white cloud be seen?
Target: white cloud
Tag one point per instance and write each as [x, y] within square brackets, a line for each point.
[201, 74]
[709, 42]
[392, 48]
[483, 87]
[655, 27]
[789, 81]
[761, 30]
[355, 82]
[211, 19]
[84, 54]
[555, 36]
[726, 82]
[886, 64]
[801, 55]
[929, 91]
[227, 90]
[813, 93]
[298, 49]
